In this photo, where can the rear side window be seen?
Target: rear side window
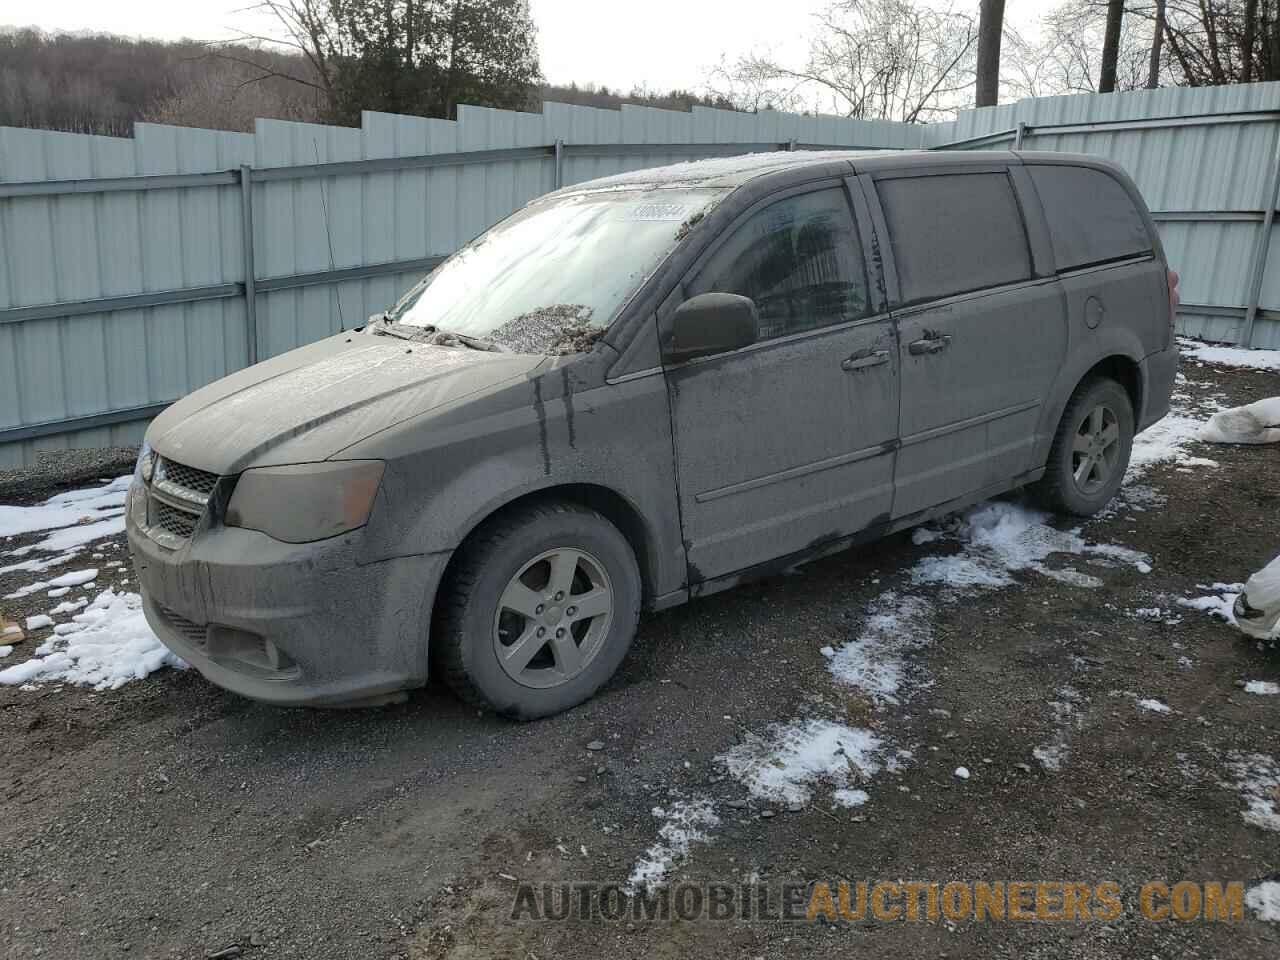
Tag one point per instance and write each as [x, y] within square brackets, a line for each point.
[954, 233]
[1091, 217]
[798, 259]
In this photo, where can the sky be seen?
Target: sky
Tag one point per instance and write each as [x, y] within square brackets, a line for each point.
[670, 43]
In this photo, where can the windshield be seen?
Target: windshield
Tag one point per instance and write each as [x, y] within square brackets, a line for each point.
[552, 277]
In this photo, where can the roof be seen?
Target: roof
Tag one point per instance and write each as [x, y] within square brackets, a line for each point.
[735, 171]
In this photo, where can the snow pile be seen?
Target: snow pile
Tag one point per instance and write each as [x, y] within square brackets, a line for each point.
[873, 662]
[1258, 781]
[784, 765]
[686, 822]
[1000, 538]
[1230, 356]
[1053, 753]
[1262, 687]
[66, 509]
[104, 647]
[1264, 900]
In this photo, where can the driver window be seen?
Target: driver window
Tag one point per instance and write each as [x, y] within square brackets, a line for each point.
[798, 259]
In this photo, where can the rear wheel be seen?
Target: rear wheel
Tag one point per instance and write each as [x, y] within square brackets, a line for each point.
[1090, 451]
[540, 611]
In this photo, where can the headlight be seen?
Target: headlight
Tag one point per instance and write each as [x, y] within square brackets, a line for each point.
[146, 463]
[306, 501]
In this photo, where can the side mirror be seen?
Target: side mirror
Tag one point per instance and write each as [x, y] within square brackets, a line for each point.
[711, 323]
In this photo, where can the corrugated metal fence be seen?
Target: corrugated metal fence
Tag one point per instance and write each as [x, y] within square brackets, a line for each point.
[1208, 163]
[134, 271]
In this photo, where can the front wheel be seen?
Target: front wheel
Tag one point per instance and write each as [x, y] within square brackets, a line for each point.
[1090, 451]
[541, 608]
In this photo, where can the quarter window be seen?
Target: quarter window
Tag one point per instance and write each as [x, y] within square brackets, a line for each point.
[798, 259]
[1092, 218]
[954, 233]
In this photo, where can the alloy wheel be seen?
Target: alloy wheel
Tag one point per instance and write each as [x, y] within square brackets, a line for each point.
[1095, 449]
[553, 617]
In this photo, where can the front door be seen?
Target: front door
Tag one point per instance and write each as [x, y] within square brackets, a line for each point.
[788, 443]
[980, 338]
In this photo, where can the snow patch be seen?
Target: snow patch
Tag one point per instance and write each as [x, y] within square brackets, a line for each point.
[873, 662]
[68, 580]
[1258, 780]
[66, 509]
[40, 564]
[1264, 900]
[1000, 538]
[1263, 687]
[104, 647]
[1155, 706]
[1066, 718]
[1230, 356]
[784, 765]
[686, 822]
[78, 536]
[1219, 605]
[850, 798]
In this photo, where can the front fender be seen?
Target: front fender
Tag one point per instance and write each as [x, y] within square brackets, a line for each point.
[446, 475]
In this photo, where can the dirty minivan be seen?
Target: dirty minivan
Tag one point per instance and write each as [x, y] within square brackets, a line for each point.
[643, 389]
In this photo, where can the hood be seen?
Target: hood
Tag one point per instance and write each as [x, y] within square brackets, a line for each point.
[308, 404]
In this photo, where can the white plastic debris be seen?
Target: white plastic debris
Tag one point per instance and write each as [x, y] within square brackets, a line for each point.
[1253, 423]
[1261, 603]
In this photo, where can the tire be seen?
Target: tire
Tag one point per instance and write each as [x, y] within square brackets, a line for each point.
[1077, 441]
[487, 645]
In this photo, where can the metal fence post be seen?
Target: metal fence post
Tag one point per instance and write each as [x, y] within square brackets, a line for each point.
[250, 270]
[1262, 249]
[1017, 137]
[559, 163]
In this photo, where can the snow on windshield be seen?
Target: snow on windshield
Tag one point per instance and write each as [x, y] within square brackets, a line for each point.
[552, 277]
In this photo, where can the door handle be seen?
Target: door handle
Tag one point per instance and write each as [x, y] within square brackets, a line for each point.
[855, 363]
[932, 344]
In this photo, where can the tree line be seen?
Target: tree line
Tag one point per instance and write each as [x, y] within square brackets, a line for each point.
[326, 61]
[920, 60]
[908, 60]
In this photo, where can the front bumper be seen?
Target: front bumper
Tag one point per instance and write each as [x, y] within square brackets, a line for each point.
[294, 624]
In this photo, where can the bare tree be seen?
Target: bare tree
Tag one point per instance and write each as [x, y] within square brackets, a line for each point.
[1066, 57]
[1157, 44]
[1111, 46]
[219, 94]
[869, 59]
[990, 33]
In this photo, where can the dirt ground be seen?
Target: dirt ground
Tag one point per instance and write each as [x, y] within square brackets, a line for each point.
[170, 819]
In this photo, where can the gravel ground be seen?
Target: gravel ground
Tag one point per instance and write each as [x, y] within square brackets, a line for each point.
[60, 469]
[170, 819]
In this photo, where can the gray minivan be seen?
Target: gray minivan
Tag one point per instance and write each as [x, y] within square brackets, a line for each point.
[643, 389]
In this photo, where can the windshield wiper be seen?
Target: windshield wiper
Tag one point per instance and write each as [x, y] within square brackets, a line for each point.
[382, 323]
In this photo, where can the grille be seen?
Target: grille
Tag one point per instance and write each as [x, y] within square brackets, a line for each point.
[194, 633]
[189, 478]
[172, 520]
